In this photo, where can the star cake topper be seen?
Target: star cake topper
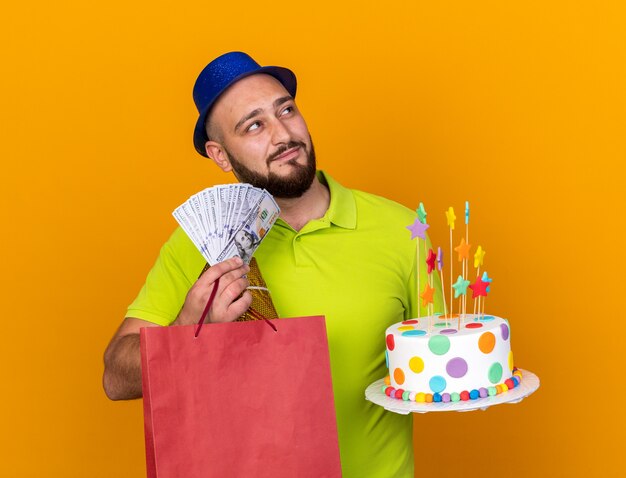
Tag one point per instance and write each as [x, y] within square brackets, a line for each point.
[430, 260]
[418, 229]
[460, 286]
[463, 249]
[479, 288]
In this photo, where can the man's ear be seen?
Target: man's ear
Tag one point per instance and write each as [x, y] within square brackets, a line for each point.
[216, 152]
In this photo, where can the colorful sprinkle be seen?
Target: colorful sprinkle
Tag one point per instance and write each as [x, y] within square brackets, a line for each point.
[486, 318]
[390, 342]
[474, 394]
[465, 395]
[413, 333]
[387, 380]
[445, 397]
[412, 321]
[483, 392]
[436, 397]
[486, 342]
[448, 316]
[416, 364]
[505, 331]
[399, 393]
[439, 344]
[437, 383]
[455, 397]
[420, 397]
[406, 395]
[448, 331]
[495, 372]
[456, 367]
[429, 398]
[405, 327]
[474, 325]
[398, 376]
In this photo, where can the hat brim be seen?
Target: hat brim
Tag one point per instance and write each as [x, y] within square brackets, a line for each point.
[284, 75]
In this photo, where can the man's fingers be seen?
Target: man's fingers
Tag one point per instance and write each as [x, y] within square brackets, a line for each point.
[238, 307]
[232, 299]
[234, 265]
[228, 311]
[234, 289]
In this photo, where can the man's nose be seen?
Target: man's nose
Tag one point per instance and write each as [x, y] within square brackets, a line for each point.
[280, 133]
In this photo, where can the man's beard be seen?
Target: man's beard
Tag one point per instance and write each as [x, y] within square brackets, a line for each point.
[292, 186]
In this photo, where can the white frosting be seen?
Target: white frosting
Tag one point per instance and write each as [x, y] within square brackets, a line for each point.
[421, 363]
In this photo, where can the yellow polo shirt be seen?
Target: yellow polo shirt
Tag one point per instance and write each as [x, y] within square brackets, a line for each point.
[356, 266]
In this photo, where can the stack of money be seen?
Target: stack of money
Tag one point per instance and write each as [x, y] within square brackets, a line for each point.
[227, 220]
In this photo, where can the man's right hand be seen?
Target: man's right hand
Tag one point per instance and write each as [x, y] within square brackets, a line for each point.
[122, 358]
[231, 299]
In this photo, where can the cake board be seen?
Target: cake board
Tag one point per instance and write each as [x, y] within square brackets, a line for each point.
[528, 385]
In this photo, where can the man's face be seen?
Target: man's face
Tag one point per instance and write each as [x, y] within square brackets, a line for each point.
[243, 239]
[263, 136]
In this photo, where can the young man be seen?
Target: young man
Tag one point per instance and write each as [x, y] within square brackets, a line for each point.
[334, 251]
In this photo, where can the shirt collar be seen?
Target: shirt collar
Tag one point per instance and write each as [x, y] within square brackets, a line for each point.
[342, 208]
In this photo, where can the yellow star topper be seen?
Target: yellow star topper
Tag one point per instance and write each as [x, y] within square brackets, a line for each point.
[450, 217]
[479, 257]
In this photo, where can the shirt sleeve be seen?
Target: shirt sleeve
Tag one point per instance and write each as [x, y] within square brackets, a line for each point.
[176, 269]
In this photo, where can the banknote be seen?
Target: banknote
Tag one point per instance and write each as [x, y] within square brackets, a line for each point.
[251, 231]
[227, 220]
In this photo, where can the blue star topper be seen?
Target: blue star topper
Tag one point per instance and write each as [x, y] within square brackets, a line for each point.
[460, 286]
[486, 278]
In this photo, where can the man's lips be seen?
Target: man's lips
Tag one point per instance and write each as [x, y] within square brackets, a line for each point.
[289, 154]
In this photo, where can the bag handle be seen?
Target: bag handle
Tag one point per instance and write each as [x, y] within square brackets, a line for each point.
[254, 313]
[210, 302]
[208, 306]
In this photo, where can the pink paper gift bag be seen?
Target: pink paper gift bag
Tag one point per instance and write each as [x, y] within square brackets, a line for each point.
[239, 400]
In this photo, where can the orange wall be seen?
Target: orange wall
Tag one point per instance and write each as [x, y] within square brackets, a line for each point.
[518, 107]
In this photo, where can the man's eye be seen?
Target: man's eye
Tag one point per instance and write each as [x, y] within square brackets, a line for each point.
[287, 110]
[253, 126]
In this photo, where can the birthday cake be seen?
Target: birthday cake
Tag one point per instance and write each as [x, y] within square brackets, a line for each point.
[439, 360]
[447, 356]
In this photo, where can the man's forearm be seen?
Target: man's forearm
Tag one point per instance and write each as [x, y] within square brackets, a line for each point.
[122, 368]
